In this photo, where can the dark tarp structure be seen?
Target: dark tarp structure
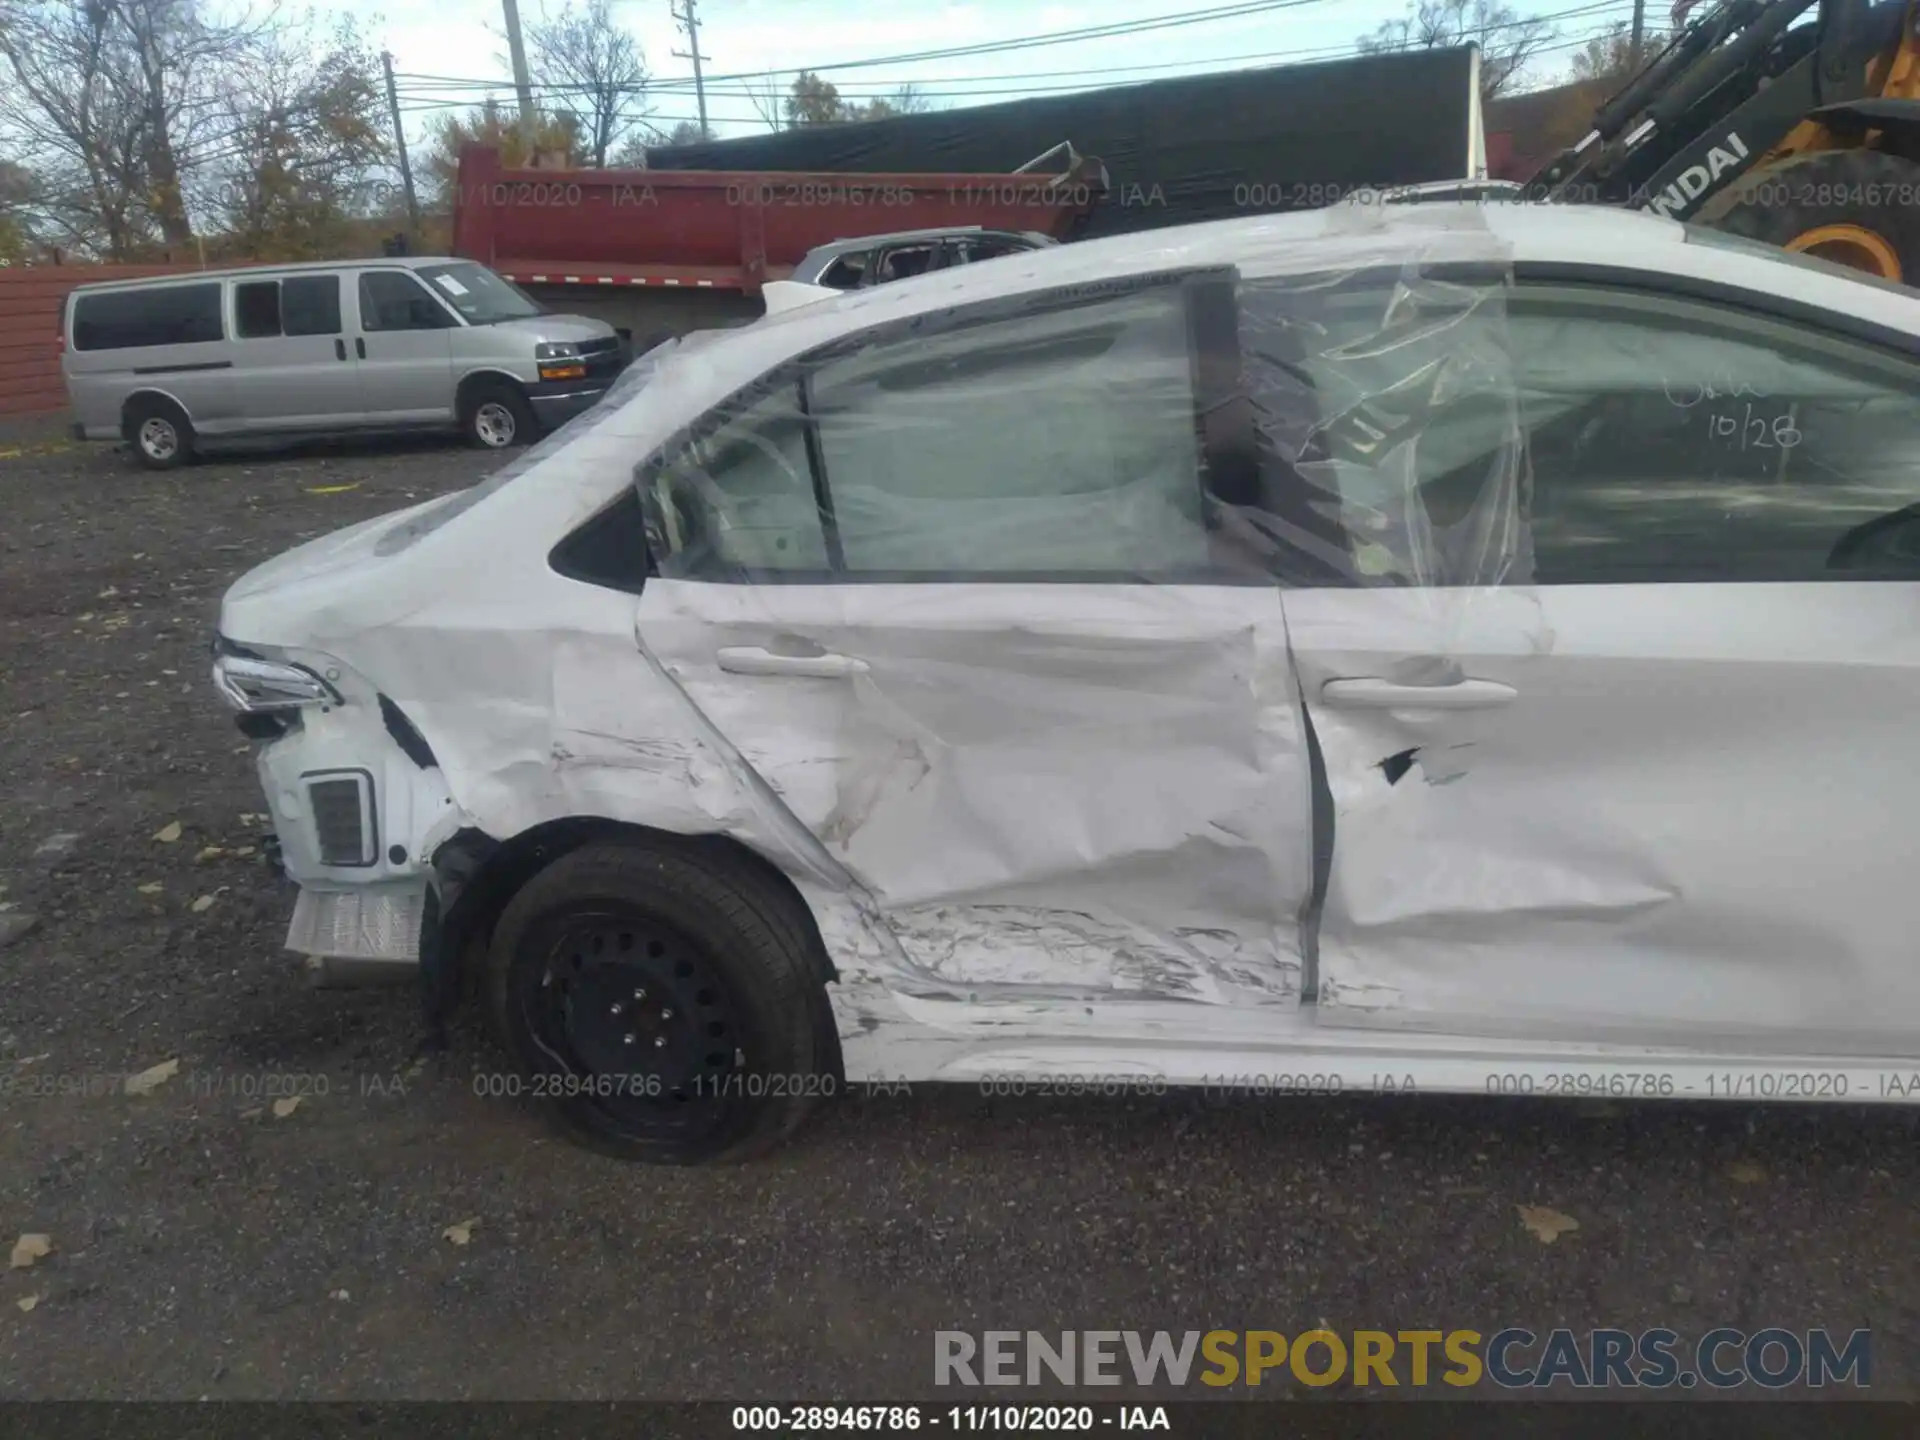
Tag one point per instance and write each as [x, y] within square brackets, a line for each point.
[1197, 147]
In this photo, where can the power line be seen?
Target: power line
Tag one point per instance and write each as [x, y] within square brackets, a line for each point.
[720, 83]
[1105, 31]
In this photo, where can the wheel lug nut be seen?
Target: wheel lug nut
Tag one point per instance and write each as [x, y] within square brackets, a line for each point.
[665, 1014]
[615, 1010]
[659, 1042]
[641, 993]
[628, 1040]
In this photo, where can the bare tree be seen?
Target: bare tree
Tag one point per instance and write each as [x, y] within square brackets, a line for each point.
[1507, 41]
[814, 101]
[591, 68]
[73, 123]
[308, 126]
[1611, 57]
[112, 103]
[769, 101]
[19, 197]
[909, 99]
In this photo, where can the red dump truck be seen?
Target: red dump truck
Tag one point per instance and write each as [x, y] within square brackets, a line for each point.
[665, 251]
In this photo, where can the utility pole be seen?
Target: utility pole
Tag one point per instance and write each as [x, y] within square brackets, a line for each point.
[400, 144]
[689, 19]
[521, 81]
[1639, 27]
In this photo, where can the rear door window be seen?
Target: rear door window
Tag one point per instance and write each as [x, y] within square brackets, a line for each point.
[162, 315]
[310, 305]
[256, 309]
[299, 305]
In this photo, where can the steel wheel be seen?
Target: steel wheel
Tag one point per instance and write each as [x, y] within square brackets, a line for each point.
[494, 425]
[159, 440]
[634, 1020]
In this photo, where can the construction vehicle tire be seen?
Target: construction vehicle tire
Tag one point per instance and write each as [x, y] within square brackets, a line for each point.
[1858, 208]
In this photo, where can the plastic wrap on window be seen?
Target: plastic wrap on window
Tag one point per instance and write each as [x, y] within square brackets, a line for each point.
[990, 597]
[1386, 417]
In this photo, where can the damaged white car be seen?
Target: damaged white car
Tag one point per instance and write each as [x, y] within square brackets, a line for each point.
[1437, 647]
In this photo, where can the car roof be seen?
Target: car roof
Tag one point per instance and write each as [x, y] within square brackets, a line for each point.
[1337, 240]
[1347, 237]
[938, 232]
[187, 277]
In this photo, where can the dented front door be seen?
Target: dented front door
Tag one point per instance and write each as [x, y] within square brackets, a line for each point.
[955, 596]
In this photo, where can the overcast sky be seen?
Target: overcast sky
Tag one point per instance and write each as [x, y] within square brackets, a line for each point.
[463, 39]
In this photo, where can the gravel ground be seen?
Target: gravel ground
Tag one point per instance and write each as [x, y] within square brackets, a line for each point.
[205, 1246]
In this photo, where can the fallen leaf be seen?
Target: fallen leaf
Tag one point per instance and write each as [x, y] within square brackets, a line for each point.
[243, 852]
[1548, 1225]
[202, 905]
[212, 852]
[253, 1114]
[462, 1233]
[285, 1106]
[168, 833]
[340, 1295]
[29, 1248]
[152, 889]
[26, 1303]
[34, 1059]
[152, 1078]
[1745, 1172]
[332, 489]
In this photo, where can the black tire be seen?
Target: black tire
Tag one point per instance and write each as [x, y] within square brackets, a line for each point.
[683, 952]
[158, 431]
[1867, 199]
[496, 416]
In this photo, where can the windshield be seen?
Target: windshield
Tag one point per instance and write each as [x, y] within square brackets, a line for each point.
[481, 297]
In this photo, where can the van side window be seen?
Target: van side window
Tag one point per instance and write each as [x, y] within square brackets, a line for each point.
[159, 315]
[392, 300]
[256, 309]
[310, 305]
[300, 305]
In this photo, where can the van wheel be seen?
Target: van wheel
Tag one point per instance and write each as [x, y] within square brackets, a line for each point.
[161, 436]
[661, 999]
[497, 416]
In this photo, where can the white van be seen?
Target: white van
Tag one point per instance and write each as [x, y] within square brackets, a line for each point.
[398, 344]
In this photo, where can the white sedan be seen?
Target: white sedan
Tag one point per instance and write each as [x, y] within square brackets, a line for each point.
[1440, 647]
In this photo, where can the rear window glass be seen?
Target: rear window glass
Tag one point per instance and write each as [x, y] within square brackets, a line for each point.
[163, 315]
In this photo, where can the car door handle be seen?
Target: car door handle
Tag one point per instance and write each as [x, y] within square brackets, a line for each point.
[1372, 693]
[360, 346]
[339, 349]
[754, 660]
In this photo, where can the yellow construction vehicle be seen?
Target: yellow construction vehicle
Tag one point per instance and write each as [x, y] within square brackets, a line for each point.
[1795, 122]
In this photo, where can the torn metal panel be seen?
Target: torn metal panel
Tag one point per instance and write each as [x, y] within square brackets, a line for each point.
[1058, 788]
